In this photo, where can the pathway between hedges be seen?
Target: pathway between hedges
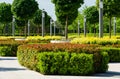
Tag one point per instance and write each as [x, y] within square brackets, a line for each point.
[10, 69]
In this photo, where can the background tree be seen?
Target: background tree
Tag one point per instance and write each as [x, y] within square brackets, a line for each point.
[67, 11]
[47, 22]
[74, 26]
[111, 9]
[20, 26]
[24, 9]
[5, 15]
[37, 19]
[92, 16]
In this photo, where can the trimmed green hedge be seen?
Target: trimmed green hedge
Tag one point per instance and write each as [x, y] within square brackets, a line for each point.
[65, 63]
[114, 53]
[9, 47]
[42, 58]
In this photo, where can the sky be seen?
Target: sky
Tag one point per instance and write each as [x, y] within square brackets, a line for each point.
[49, 7]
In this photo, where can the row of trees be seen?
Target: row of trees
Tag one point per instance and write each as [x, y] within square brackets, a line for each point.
[65, 12]
[23, 11]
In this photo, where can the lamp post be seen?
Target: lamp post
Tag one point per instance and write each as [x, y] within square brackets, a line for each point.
[114, 26]
[100, 18]
[54, 28]
[84, 26]
[28, 27]
[78, 27]
[43, 22]
[51, 21]
[13, 26]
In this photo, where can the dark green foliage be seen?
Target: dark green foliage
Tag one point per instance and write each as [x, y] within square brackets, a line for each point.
[5, 51]
[8, 50]
[102, 67]
[20, 22]
[37, 19]
[92, 14]
[24, 9]
[5, 13]
[65, 64]
[114, 53]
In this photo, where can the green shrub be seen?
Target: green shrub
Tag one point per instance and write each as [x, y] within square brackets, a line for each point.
[81, 64]
[8, 50]
[27, 56]
[65, 64]
[4, 50]
[114, 53]
[103, 67]
[9, 47]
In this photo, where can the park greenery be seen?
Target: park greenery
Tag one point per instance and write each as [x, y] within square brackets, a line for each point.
[35, 18]
[66, 12]
[81, 56]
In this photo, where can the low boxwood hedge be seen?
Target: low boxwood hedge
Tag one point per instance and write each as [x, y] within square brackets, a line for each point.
[9, 47]
[35, 55]
[114, 53]
[64, 63]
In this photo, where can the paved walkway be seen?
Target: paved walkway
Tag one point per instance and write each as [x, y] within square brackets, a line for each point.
[10, 69]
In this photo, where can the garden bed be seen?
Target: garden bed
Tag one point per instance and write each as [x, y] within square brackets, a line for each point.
[63, 59]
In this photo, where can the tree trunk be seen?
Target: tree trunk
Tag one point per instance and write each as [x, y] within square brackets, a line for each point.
[94, 31]
[66, 28]
[4, 32]
[25, 30]
[38, 29]
[110, 28]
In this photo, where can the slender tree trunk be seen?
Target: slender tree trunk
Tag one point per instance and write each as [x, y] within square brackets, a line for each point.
[110, 28]
[25, 30]
[38, 29]
[4, 29]
[94, 31]
[66, 28]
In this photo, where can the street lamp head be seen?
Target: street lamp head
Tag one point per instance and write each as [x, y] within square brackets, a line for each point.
[51, 20]
[13, 18]
[43, 13]
[84, 18]
[101, 4]
[115, 19]
[78, 22]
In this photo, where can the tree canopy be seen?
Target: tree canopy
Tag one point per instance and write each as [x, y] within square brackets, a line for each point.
[37, 19]
[5, 13]
[67, 11]
[24, 9]
[92, 14]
